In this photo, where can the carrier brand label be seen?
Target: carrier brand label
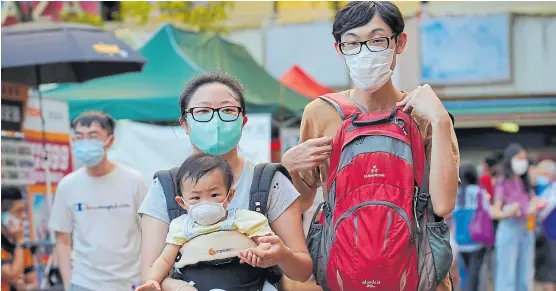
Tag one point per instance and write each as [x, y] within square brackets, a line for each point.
[214, 252]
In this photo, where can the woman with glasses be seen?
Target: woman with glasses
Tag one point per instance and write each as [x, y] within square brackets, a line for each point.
[213, 115]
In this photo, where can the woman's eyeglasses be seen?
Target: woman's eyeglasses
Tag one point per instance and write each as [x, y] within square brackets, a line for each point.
[205, 114]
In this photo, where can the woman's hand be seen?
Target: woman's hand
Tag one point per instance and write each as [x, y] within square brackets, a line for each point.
[425, 102]
[512, 210]
[307, 155]
[270, 251]
[150, 285]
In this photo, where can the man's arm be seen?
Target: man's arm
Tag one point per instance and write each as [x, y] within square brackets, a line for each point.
[14, 270]
[303, 159]
[307, 192]
[31, 280]
[63, 253]
[443, 180]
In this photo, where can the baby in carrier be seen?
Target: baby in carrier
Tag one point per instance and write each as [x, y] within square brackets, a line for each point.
[203, 245]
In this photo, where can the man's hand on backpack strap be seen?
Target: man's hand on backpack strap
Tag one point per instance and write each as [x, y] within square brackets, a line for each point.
[268, 253]
[425, 102]
[308, 155]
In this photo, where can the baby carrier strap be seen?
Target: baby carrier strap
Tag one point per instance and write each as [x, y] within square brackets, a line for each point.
[262, 180]
[167, 179]
[260, 188]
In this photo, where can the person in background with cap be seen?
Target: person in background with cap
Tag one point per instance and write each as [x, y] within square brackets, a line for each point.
[18, 270]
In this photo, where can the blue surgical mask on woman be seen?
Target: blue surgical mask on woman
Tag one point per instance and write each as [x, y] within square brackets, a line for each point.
[215, 137]
[89, 151]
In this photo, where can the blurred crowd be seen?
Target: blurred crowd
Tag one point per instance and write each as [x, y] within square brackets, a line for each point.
[515, 196]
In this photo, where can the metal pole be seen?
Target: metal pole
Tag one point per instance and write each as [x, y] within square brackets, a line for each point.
[47, 176]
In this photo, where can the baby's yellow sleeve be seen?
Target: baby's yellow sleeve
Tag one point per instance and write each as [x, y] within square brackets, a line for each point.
[176, 231]
[251, 223]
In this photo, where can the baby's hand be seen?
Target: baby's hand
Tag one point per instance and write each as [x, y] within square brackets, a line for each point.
[150, 285]
[249, 257]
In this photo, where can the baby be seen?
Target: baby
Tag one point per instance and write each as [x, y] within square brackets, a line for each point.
[205, 184]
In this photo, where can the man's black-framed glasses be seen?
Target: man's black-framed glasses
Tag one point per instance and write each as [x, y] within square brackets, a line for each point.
[205, 114]
[377, 44]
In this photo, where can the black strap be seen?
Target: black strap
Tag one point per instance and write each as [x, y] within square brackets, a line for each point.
[260, 187]
[169, 187]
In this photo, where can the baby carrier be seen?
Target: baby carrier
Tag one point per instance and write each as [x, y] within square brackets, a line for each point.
[212, 258]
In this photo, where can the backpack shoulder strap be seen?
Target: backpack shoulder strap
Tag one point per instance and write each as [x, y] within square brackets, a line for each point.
[342, 104]
[260, 187]
[423, 203]
[169, 187]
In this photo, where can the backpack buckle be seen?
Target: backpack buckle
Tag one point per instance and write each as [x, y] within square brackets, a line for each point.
[258, 206]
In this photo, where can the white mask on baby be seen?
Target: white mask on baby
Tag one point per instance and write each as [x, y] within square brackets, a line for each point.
[520, 166]
[207, 213]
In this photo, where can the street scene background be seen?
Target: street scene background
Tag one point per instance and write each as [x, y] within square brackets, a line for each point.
[493, 64]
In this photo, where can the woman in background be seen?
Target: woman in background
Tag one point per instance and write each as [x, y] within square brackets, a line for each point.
[472, 253]
[515, 237]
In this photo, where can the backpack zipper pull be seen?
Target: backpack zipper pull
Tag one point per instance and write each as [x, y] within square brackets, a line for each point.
[415, 209]
[401, 123]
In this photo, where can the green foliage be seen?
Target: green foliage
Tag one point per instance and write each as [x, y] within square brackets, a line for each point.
[200, 17]
[84, 18]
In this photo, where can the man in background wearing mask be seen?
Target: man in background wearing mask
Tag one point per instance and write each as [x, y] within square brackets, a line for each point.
[95, 207]
[368, 36]
[18, 270]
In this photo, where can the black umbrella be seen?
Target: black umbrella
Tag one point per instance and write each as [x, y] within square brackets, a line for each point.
[36, 53]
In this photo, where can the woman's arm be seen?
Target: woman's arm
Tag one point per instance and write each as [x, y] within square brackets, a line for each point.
[296, 262]
[497, 212]
[153, 239]
[163, 265]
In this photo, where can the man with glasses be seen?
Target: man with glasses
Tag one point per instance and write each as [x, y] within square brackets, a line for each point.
[94, 213]
[368, 36]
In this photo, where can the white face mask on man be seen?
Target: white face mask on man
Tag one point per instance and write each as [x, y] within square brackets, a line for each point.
[370, 70]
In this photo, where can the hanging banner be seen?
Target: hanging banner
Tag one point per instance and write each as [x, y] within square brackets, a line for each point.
[57, 139]
[56, 143]
[12, 115]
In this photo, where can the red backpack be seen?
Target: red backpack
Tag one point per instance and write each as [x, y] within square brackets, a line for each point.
[369, 235]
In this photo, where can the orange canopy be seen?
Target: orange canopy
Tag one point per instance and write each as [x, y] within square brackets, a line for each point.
[300, 82]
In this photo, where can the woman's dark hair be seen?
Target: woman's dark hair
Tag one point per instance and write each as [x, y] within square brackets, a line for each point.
[358, 13]
[198, 165]
[468, 175]
[512, 150]
[209, 78]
